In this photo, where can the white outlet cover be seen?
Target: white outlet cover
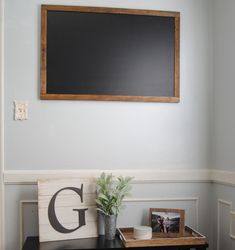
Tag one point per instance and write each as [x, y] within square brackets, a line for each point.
[21, 110]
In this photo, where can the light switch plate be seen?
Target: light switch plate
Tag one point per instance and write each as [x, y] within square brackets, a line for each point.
[21, 110]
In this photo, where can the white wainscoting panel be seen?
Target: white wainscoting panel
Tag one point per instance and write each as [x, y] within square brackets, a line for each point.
[23, 204]
[173, 199]
[232, 225]
[221, 202]
[28, 177]
[195, 200]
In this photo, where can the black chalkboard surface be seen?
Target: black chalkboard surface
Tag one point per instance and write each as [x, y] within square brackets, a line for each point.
[109, 54]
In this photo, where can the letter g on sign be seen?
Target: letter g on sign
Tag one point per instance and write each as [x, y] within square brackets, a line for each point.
[52, 213]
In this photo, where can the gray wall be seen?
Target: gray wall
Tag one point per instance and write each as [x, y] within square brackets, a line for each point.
[107, 135]
[63, 135]
[223, 142]
[224, 87]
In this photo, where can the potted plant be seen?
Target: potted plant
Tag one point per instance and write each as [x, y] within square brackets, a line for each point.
[110, 194]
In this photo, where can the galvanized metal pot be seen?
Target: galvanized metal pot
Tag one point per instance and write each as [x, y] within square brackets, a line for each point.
[110, 226]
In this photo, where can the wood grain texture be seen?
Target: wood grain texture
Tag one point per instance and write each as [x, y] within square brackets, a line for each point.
[111, 10]
[66, 201]
[177, 57]
[191, 237]
[45, 96]
[110, 98]
[43, 50]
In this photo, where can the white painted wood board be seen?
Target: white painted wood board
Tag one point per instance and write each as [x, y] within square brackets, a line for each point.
[57, 199]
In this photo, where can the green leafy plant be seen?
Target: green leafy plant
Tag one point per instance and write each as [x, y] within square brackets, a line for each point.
[110, 193]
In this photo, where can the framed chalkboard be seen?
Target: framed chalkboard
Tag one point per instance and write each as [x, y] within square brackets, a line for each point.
[91, 53]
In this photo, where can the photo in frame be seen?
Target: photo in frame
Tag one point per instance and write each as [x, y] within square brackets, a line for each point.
[167, 222]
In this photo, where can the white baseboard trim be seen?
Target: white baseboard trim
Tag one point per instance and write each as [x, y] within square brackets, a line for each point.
[31, 176]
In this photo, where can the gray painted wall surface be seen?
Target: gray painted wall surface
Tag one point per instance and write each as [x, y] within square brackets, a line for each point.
[110, 135]
[106, 135]
[224, 87]
[223, 140]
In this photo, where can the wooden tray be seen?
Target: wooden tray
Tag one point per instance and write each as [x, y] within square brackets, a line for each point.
[191, 237]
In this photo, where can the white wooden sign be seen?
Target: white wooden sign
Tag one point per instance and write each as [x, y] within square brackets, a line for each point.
[67, 209]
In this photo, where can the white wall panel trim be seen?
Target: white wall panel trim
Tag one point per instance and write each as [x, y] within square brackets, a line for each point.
[223, 177]
[31, 176]
[22, 203]
[219, 203]
[141, 175]
[194, 199]
[232, 219]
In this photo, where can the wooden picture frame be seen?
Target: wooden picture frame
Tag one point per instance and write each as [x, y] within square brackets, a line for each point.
[167, 222]
[175, 75]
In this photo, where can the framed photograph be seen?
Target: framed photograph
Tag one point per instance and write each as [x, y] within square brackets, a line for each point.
[168, 222]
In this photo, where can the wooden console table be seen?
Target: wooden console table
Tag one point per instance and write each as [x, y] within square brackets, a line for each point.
[32, 243]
